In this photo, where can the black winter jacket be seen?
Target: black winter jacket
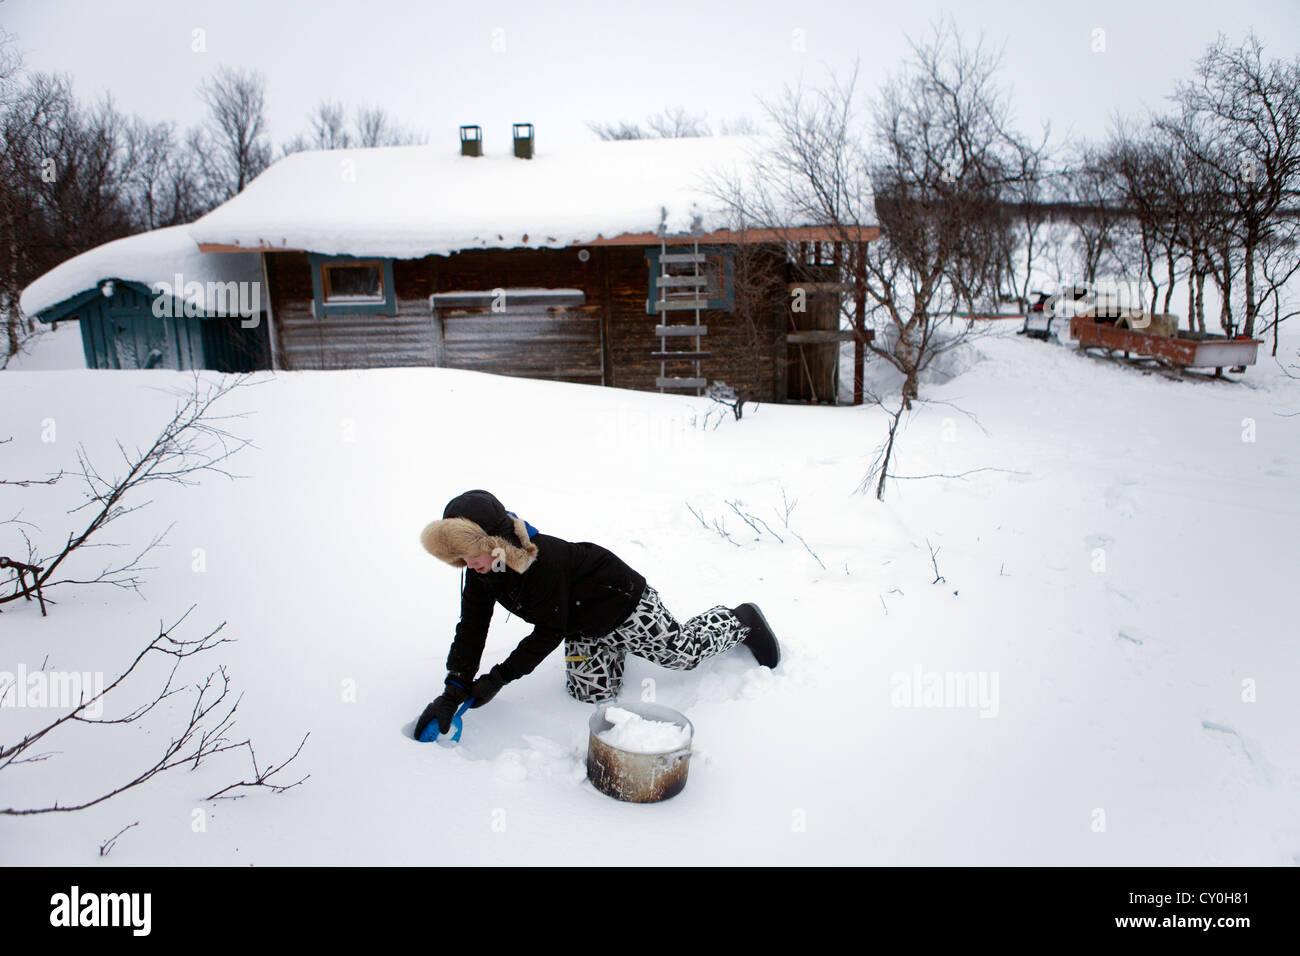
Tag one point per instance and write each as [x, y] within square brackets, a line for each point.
[573, 589]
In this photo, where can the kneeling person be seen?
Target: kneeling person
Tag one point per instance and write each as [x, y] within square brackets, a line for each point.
[574, 593]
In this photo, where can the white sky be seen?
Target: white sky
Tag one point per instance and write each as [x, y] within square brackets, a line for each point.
[433, 63]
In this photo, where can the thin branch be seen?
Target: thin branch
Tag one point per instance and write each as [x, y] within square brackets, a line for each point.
[106, 847]
[261, 778]
[788, 505]
[33, 481]
[956, 408]
[962, 474]
[721, 528]
[805, 544]
[747, 519]
[934, 553]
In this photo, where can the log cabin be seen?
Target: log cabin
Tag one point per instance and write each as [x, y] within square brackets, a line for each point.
[609, 263]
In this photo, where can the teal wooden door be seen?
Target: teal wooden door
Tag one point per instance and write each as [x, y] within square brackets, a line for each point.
[141, 341]
[123, 332]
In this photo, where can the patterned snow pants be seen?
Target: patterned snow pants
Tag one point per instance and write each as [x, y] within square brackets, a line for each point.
[594, 666]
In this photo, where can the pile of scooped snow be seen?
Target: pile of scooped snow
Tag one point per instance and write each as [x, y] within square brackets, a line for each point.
[633, 733]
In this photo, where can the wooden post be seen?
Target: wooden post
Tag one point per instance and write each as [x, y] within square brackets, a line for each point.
[859, 318]
[781, 351]
[272, 333]
[435, 322]
[837, 257]
[606, 320]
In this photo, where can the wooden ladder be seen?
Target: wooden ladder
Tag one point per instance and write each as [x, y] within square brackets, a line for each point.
[680, 292]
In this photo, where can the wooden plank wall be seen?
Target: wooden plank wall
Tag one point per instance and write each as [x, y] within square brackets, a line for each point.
[350, 341]
[561, 345]
[121, 332]
[613, 324]
[230, 347]
[749, 342]
[813, 368]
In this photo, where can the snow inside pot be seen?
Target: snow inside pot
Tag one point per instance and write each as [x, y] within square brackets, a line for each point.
[638, 752]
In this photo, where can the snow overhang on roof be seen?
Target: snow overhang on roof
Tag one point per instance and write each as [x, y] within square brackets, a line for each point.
[407, 202]
[164, 261]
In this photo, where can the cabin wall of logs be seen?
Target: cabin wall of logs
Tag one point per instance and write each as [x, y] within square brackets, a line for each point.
[577, 314]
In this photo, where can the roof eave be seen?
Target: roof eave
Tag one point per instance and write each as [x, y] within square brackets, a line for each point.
[724, 236]
[60, 310]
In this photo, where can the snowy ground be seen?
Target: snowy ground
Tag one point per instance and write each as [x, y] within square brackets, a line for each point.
[1119, 591]
[58, 348]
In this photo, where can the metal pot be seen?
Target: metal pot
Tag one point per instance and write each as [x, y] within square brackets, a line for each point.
[636, 777]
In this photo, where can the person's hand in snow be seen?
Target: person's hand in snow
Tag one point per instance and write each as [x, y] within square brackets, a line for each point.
[442, 709]
[486, 687]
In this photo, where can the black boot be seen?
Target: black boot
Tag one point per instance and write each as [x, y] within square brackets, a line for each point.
[760, 640]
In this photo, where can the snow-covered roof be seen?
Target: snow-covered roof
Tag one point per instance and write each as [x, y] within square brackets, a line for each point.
[412, 201]
[151, 258]
[407, 202]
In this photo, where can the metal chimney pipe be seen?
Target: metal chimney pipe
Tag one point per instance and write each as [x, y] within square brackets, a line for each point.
[471, 141]
[523, 133]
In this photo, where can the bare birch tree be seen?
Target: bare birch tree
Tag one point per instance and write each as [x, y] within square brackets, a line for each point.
[235, 134]
[1239, 117]
[934, 168]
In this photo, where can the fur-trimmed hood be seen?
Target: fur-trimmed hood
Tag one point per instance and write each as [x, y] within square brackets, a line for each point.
[474, 524]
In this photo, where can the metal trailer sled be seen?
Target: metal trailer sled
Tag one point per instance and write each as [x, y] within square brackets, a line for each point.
[1177, 353]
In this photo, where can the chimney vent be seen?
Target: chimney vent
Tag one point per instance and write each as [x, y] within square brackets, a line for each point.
[523, 140]
[471, 141]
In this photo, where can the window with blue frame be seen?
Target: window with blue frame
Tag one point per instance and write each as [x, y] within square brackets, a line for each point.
[349, 285]
[718, 269]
